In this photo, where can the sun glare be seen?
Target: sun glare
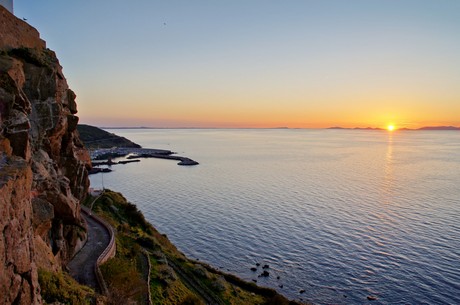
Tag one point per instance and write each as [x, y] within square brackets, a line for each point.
[391, 127]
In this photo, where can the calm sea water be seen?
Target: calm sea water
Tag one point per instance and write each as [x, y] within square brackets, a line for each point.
[341, 214]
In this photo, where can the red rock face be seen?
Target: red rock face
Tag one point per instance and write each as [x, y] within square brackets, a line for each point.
[18, 272]
[43, 164]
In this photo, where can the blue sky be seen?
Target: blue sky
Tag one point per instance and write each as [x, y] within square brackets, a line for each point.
[257, 63]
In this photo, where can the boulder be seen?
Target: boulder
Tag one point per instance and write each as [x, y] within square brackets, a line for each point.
[264, 274]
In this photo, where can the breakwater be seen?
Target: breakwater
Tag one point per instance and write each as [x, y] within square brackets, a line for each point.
[106, 156]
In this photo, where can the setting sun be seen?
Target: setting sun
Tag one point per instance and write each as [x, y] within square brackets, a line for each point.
[391, 127]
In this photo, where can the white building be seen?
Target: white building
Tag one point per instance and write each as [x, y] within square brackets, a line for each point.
[8, 4]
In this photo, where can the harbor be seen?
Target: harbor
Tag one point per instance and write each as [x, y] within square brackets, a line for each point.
[107, 157]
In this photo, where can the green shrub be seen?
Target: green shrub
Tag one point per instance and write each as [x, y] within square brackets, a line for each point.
[60, 287]
[40, 58]
[192, 299]
[125, 283]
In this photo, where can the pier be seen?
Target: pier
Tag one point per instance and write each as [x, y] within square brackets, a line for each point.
[105, 156]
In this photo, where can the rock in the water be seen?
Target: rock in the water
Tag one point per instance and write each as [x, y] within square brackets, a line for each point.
[371, 298]
[302, 291]
[264, 274]
[266, 267]
[254, 269]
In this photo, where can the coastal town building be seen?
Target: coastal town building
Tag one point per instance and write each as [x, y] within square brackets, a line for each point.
[8, 4]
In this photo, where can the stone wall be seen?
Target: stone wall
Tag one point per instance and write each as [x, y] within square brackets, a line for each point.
[16, 33]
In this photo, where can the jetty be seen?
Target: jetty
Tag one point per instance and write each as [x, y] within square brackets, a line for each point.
[105, 156]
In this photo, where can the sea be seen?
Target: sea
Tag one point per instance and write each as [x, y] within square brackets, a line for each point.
[340, 216]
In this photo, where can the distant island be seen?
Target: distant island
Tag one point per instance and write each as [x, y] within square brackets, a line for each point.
[411, 129]
[285, 127]
[355, 128]
[438, 128]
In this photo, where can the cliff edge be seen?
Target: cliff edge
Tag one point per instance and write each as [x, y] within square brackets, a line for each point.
[43, 164]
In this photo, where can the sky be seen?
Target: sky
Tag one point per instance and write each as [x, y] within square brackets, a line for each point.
[297, 64]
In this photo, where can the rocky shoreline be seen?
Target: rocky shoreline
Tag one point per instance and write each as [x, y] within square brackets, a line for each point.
[169, 268]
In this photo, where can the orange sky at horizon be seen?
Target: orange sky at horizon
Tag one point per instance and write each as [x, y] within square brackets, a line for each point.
[257, 64]
[258, 114]
[246, 121]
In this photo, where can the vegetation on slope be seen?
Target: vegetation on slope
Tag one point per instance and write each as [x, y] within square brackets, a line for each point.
[62, 288]
[94, 137]
[174, 279]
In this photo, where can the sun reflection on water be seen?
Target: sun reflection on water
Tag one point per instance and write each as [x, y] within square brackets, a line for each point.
[388, 178]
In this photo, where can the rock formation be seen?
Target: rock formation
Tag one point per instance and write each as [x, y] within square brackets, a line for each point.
[43, 164]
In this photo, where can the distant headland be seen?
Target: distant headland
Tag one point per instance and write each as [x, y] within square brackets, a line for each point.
[411, 129]
[285, 127]
[94, 137]
[107, 146]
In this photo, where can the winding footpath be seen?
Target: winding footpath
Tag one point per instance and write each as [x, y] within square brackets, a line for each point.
[83, 266]
[100, 246]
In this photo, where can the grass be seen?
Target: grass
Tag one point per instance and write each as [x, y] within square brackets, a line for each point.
[62, 288]
[124, 273]
[124, 281]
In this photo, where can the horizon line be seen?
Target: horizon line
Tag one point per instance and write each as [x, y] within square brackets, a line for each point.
[426, 128]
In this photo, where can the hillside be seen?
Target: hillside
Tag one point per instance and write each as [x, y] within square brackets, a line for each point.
[174, 279]
[94, 137]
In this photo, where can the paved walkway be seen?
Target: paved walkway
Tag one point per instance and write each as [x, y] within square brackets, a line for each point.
[81, 267]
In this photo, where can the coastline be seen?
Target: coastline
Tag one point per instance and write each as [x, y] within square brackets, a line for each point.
[169, 266]
[104, 158]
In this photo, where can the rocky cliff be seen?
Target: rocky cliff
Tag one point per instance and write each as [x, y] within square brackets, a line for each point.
[43, 164]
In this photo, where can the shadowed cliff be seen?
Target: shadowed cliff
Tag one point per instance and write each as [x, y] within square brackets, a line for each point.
[94, 137]
[43, 164]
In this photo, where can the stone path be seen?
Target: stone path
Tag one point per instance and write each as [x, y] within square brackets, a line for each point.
[82, 266]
